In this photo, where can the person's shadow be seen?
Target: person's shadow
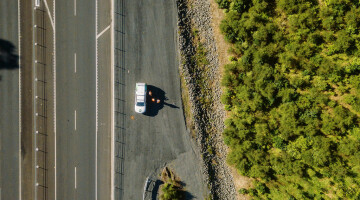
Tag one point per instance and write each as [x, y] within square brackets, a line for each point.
[8, 58]
[155, 101]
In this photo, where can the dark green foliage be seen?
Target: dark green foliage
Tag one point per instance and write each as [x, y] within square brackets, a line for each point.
[243, 191]
[261, 188]
[253, 192]
[292, 91]
[171, 192]
[295, 6]
[230, 25]
[344, 42]
[241, 6]
[223, 4]
[348, 146]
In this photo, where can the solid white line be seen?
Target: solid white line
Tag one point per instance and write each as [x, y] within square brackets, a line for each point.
[96, 94]
[54, 74]
[112, 129]
[75, 119]
[19, 42]
[48, 11]
[75, 7]
[75, 61]
[102, 32]
[75, 178]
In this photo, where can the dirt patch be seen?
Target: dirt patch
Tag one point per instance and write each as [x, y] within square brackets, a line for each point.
[168, 175]
[241, 182]
[223, 54]
[221, 45]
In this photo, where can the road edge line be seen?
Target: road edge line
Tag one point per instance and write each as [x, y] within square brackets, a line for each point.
[19, 41]
[96, 94]
[54, 78]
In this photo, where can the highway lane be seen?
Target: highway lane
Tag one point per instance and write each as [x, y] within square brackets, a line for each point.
[9, 104]
[105, 84]
[146, 51]
[76, 92]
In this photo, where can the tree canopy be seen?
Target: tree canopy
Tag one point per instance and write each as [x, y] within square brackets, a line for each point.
[292, 91]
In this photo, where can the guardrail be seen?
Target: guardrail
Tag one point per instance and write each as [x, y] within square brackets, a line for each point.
[120, 120]
[40, 102]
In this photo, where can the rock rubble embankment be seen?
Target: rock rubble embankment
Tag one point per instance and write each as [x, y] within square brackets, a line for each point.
[208, 122]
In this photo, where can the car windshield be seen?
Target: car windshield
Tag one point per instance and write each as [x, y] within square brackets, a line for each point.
[140, 104]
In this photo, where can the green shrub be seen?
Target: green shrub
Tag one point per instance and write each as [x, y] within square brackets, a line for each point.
[171, 192]
[243, 191]
[223, 4]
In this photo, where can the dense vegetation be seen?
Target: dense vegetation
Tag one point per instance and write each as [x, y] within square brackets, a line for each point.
[293, 95]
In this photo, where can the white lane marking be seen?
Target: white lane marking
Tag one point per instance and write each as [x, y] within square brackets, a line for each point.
[102, 32]
[19, 41]
[37, 3]
[54, 38]
[75, 61]
[96, 94]
[75, 178]
[75, 7]
[48, 11]
[75, 119]
[112, 165]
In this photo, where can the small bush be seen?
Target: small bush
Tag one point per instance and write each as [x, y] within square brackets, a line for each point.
[171, 192]
[243, 191]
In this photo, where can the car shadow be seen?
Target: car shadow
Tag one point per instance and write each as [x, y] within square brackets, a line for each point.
[155, 101]
[8, 58]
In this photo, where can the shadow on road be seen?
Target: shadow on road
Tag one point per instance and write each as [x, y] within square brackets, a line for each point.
[155, 190]
[188, 195]
[8, 60]
[155, 101]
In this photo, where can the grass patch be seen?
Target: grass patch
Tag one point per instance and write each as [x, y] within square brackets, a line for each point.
[187, 106]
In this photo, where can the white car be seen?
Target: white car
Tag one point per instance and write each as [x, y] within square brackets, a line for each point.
[140, 97]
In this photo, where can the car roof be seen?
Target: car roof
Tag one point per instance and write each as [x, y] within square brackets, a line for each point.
[140, 98]
[140, 88]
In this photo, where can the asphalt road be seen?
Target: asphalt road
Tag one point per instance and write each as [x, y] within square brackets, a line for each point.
[9, 102]
[146, 51]
[75, 100]
[105, 83]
